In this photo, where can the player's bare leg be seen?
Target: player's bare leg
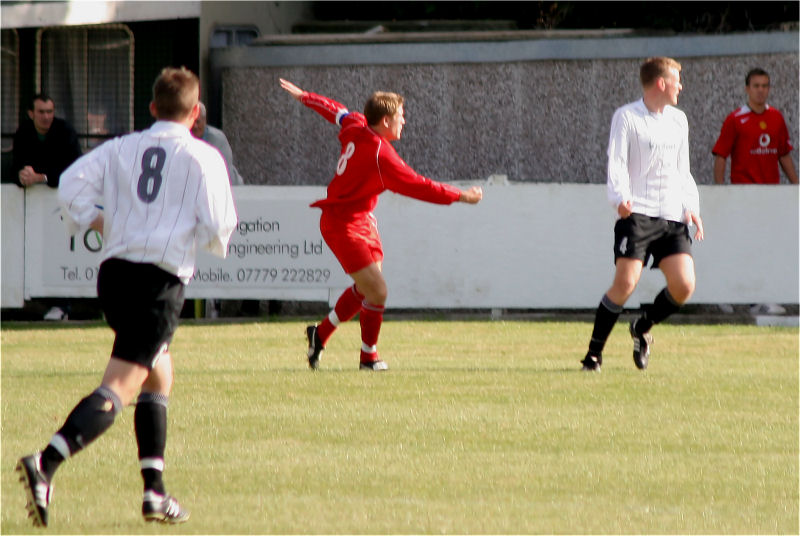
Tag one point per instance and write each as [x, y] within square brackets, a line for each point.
[371, 284]
[124, 378]
[626, 277]
[679, 272]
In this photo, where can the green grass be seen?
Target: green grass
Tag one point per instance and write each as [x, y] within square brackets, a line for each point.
[479, 427]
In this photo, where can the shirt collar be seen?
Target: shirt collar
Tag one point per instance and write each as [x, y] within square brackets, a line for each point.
[169, 128]
[747, 108]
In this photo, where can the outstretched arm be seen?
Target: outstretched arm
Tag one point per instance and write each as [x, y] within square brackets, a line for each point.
[328, 108]
[293, 90]
[471, 196]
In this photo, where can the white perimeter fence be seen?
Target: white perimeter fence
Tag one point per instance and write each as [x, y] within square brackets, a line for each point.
[525, 246]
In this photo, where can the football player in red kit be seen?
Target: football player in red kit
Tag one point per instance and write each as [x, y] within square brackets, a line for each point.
[756, 139]
[367, 166]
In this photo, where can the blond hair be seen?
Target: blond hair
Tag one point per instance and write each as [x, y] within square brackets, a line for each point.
[655, 68]
[175, 93]
[381, 104]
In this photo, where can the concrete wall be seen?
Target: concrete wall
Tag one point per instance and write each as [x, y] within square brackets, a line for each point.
[534, 108]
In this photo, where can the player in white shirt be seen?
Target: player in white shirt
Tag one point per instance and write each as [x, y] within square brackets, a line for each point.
[163, 193]
[655, 197]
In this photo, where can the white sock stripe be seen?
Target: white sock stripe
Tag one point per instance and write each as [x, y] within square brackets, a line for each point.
[371, 307]
[368, 349]
[152, 496]
[60, 444]
[356, 293]
[152, 463]
[333, 318]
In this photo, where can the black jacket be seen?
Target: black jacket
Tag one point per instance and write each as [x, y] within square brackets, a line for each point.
[52, 156]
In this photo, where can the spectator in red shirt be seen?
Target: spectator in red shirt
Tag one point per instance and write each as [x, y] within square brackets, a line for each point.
[756, 138]
[367, 166]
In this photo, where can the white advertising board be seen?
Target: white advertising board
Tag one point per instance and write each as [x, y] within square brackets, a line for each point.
[13, 241]
[523, 246]
[277, 251]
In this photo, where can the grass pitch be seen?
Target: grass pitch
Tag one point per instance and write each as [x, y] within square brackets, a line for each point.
[479, 427]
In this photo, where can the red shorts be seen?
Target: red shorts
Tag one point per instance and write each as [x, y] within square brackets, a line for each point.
[354, 240]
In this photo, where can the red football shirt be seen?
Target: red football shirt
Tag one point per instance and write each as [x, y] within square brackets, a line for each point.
[369, 165]
[754, 143]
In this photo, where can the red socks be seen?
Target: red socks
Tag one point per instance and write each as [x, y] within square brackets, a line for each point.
[371, 320]
[347, 306]
[350, 303]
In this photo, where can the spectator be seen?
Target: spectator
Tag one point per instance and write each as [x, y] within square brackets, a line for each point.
[216, 138]
[44, 146]
[756, 138]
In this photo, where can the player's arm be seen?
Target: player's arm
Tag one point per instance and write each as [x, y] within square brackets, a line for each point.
[398, 177]
[787, 164]
[215, 206]
[97, 223]
[719, 169]
[695, 219]
[618, 182]
[331, 110]
[81, 187]
[691, 196]
[723, 147]
[472, 195]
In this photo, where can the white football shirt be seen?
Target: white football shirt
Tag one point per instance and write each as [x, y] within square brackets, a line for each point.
[163, 193]
[648, 162]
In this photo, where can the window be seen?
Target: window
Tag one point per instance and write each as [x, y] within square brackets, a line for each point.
[232, 36]
[88, 72]
[10, 86]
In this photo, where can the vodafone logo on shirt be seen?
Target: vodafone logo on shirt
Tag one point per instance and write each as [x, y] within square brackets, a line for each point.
[764, 149]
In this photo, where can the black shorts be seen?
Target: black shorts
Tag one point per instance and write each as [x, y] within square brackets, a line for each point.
[641, 237]
[142, 304]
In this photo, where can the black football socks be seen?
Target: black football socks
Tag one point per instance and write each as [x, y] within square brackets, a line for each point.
[663, 306]
[606, 316]
[150, 421]
[88, 420]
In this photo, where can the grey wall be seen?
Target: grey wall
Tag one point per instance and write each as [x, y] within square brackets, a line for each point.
[537, 110]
